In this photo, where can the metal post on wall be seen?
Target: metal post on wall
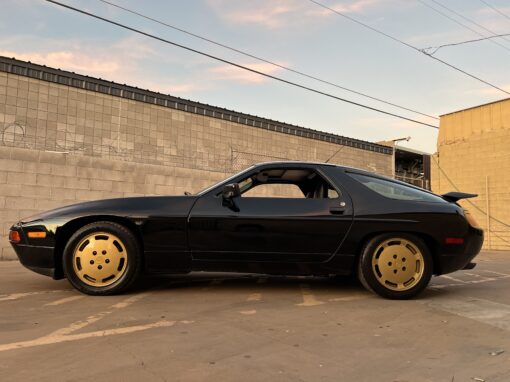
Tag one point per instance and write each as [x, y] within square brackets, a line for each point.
[488, 217]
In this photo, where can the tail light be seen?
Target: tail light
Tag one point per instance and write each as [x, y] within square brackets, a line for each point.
[471, 220]
[454, 240]
[14, 237]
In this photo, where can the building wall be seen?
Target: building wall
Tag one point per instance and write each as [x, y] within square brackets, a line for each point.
[32, 181]
[60, 144]
[474, 156]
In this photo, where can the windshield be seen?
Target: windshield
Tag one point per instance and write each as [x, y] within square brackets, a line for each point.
[225, 181]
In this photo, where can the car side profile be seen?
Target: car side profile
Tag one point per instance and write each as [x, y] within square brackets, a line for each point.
[281, 218]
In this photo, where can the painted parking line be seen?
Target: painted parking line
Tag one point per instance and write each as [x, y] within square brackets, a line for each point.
[481, 310]
[308, 297]
[64, 300]
[479, 276]
[474, 278]
[254, 297]
[80, 324]
[129, 301]
[503, 275]
[66, 333]
[17, 296]
[55, 339]
[454, 279]
[352, 297]
[248, 312]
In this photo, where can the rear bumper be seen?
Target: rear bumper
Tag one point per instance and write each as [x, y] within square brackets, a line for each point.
[37, 259]
[454, 259]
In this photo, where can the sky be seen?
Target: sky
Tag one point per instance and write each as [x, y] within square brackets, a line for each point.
[293, 33]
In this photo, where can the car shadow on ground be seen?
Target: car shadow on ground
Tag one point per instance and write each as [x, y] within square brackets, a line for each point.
[235, 281]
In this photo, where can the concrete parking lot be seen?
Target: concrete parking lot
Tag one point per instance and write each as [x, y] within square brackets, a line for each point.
[225, 327]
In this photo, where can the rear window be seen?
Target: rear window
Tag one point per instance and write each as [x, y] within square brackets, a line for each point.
[394, 190]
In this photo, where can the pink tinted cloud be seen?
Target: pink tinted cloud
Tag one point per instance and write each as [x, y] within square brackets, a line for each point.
[282, 13]
[123, 67]
[357, 6]
[69, 61]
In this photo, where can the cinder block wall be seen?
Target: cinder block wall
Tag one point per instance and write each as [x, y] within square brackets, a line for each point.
[61, 144]
[33, 181]
[474, 156]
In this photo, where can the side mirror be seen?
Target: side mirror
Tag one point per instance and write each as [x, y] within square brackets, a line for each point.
[229, 192]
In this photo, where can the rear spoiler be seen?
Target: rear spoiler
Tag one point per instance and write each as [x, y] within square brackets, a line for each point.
[454, 197]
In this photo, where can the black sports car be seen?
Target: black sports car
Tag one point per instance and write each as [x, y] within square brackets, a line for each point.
[285, 218]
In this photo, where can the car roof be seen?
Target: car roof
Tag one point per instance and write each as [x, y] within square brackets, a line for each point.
[343, 168]
[311, 163]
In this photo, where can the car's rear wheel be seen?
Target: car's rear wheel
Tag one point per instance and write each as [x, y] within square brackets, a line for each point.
[396, 266]
[102, 258]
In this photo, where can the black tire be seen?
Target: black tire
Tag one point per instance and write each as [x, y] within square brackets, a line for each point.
[372, 277]
[129, 245]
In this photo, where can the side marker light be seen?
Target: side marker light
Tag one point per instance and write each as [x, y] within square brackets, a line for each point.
[37, 235]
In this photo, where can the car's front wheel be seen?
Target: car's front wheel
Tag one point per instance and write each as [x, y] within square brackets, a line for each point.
[102, 258]
[395, 266]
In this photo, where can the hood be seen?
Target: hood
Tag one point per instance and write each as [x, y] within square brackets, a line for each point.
[133, 206]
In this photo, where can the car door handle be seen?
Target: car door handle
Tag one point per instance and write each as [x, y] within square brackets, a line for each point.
[340, 209]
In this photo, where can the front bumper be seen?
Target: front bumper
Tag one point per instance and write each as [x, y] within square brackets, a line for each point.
[454, 260]
[37, 259]
[36, 254]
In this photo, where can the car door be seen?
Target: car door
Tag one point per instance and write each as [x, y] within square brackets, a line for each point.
[295, 229]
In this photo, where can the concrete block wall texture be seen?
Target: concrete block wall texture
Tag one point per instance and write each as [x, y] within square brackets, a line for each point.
[48, 116]
[61, 145]
[474, 156]
[32, 183]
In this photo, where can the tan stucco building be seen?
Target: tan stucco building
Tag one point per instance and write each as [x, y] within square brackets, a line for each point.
[473, 155]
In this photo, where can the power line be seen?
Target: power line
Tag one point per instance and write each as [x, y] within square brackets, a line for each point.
[496, 9]
[238, 65]
[408, 45]
[470, 21]
[433, 49]
[459, 23]
[287, 68]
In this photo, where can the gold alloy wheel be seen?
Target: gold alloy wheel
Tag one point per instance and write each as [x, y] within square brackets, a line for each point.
[398, 264]
[100, 259]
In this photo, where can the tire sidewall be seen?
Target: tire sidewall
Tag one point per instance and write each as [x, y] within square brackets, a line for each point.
[133, 258]
[368, 278]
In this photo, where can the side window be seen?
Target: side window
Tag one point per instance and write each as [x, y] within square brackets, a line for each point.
[274, 190]
[287, 183]
[394, 190]
[332, 194]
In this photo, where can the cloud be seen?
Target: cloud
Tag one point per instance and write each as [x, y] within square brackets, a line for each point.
[357, 6]
[229, 72]
[282, 13]
[68, 60]
[489, 92]
[123, 62]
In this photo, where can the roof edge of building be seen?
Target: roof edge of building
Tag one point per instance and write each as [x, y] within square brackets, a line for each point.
[474, 107]
[79, 81]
